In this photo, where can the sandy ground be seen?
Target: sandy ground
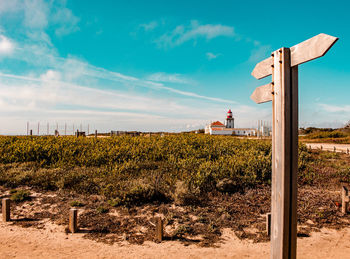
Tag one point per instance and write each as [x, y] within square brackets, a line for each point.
[329, 146]
[52, 242]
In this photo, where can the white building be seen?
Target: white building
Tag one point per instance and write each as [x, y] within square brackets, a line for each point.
[218, 128]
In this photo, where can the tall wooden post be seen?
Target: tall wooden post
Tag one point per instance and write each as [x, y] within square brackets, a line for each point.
[284, 155]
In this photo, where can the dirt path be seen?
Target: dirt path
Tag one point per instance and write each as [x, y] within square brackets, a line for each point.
[329, 146]
[52, 242]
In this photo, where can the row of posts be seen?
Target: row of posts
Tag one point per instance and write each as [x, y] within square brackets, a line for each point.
[73, 220]
[334, 149]
[159, 233]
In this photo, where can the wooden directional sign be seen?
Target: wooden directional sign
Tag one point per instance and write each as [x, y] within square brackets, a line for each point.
[283, 92]
[310, 49]
[262, 94]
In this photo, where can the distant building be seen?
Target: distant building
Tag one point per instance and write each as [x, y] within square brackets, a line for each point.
[218, 128]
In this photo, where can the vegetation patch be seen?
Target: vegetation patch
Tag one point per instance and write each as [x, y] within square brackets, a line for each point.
[20, 195]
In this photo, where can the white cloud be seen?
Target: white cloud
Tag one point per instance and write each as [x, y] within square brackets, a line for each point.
[193, 31]
[211, 55]
[6, 46]
[149, 26]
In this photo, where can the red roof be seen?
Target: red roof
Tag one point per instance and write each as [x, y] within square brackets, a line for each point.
[217, 123]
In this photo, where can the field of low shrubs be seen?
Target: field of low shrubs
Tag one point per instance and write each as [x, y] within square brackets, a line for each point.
[135, 170]
[340, 136]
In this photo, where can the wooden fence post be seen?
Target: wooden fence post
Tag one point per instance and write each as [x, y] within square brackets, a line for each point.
[159, 229]
[268, 223]
[344, 200]
[6, 203]
[95, 133]
[73, 220]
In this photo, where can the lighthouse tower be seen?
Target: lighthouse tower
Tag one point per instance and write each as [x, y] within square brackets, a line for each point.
[229, 122]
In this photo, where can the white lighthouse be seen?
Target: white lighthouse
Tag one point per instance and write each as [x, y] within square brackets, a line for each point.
[230, 121]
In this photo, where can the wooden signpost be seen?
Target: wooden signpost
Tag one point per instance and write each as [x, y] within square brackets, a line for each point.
[283, 92]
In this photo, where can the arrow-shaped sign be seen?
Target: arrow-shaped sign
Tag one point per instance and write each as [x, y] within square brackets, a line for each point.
[310, 49]
[262, 94]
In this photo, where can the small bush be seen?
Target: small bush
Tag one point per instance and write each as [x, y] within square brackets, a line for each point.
[20, 195]
[76, 204]
[102, 209]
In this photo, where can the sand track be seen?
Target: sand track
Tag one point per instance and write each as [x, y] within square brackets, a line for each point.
[52, 242]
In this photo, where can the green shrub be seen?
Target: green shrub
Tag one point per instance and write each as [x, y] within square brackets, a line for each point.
[76, 204]
[102, 209]
[20, 195]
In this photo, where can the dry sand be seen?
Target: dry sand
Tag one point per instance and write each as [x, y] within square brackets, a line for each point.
[52, 242]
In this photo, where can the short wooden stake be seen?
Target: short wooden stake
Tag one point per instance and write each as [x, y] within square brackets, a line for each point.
[344, 200]
[73, 220]
[335, 149]
[268, 223]
[95, 133]
[347, 151]
[321, 147]
[159, 229]
[6, 202]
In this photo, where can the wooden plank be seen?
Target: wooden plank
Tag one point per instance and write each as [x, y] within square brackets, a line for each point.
[262, 94]
[282, 234]
[310, 49]
[263, 68]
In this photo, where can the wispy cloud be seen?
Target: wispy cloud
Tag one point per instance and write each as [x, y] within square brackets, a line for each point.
[184, 33]
[65, 21]
[259, 52]
[170, 78]
[39, 14]
[211, 55]
[335, 108]
[149, 26]
[74, 70]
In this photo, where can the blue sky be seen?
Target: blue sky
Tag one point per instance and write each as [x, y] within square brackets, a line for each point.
[162, 65]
